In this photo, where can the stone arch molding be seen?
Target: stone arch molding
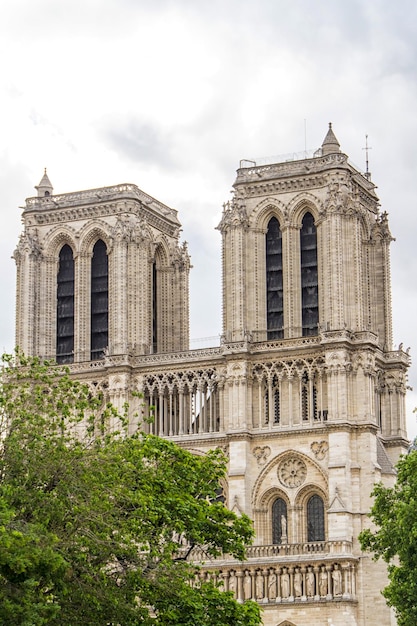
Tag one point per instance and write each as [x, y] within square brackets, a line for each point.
[59, 237]
[161, 251]
[91, 233]
[286, 623]
[304, 203]
[272, 477]
[262, 213]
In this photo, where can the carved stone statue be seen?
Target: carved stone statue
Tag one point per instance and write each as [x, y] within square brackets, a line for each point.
[272, 586]
[259, 585]
[247, 586]
[232, 583]
[310, 582]
[337, 581]
[323, 581]
[298, 584]
[283, 529]
[285, 583]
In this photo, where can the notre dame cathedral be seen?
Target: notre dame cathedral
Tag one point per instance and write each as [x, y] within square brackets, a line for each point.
[305, 393]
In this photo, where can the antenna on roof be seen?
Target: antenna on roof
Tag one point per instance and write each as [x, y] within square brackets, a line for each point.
[305, 137]
[367, 148]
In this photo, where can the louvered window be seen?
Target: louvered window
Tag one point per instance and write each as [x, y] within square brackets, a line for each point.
[154, 309]
[309, 277]
[65, 307]
[274, 285]
[99, 301]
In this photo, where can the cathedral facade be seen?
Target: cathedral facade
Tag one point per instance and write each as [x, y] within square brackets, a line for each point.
[305, 393]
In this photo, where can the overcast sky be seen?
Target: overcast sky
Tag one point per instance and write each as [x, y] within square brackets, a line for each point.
[170, 95]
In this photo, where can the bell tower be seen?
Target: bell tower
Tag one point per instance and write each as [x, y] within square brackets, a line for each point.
[100, 272]
[306, 250]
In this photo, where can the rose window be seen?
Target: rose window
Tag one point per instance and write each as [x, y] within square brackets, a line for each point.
[292, 472]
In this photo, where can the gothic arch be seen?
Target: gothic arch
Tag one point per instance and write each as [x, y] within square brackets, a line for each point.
[268, 497]
[303, 502]
[295, 367]
[265, 484]
[302, 204]
[309, 490]
[262, 213]
[91, 233]
[160, 252]
[57, 238]
[366, 228]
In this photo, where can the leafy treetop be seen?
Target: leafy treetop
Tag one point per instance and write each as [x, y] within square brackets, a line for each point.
[90, 518]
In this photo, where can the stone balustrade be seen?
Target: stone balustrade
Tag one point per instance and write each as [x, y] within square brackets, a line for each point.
[288, 551]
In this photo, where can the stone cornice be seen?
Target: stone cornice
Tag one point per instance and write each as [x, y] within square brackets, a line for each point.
[289, 432]
[102, 202]
[286, 176]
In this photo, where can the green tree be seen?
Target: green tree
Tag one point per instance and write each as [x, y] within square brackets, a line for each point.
[89, 518]
[395, 539]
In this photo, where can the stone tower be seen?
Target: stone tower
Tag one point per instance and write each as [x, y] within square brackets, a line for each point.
[100, 272]
[305, 394]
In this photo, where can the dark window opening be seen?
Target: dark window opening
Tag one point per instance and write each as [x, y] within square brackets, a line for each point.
[99, 301]
[276, 403]
[309, 277]
[154, 310]
[304, 396]
[315, 519]
[279, 521]
[274, 284]
[65, 307]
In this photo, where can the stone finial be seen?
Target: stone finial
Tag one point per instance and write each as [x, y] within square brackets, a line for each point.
[330, 144]
[45, 186]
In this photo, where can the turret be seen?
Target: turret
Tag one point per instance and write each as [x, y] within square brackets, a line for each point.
[330, 144]
[45, 186]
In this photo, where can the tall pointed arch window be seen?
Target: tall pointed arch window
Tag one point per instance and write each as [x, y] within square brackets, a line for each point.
[99, 301]
[272, 394]
[274, 284]
[65, 307]
[315, 519]
[309, 277]
[279, 521]
[154, 308]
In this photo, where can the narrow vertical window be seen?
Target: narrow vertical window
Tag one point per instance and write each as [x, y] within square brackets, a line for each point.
[305, 396]
[99, 301]
[154, 309]
[279, 521]
[309, 277]
[274, 286]
[315, 519]
[276, 402]
[65, 307]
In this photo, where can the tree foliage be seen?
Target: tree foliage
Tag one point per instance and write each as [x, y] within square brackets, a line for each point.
[395, 539]
[90, 519]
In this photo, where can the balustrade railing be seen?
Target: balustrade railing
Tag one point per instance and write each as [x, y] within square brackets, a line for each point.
[313, 548]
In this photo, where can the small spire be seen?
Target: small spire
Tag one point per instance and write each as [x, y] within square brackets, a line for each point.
[45, 186]
[330, 144]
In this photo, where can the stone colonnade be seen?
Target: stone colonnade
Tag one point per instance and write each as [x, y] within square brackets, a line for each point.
[289, 583]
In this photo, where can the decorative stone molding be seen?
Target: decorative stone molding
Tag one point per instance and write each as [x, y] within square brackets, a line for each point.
[292, 472]
[284, 581]
[234, 213]
[261, 454]
[319, 449]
